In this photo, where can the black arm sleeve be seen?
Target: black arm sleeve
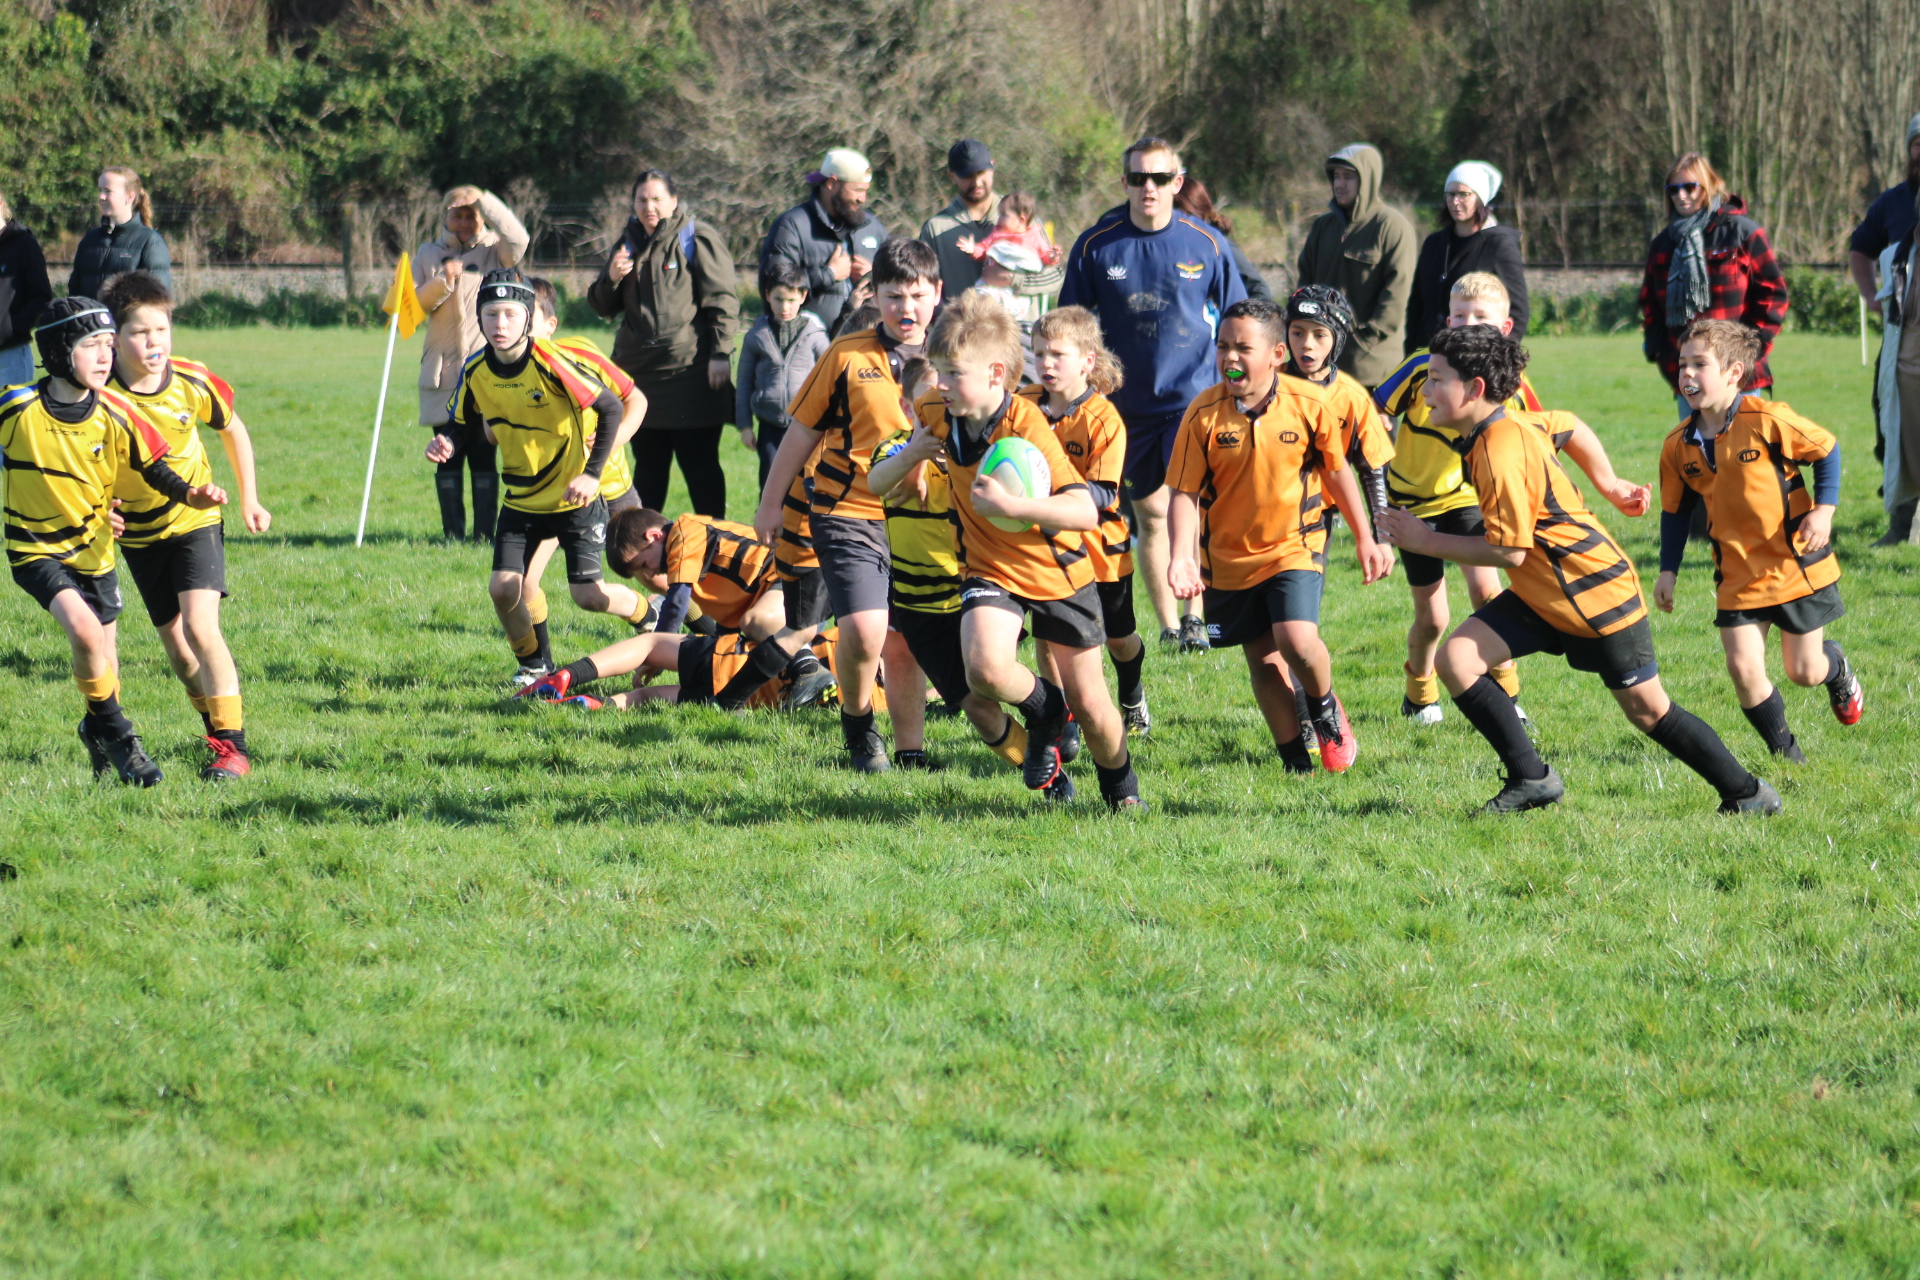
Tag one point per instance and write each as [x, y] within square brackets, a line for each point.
[1674, 528]
[1104, 495]
[673, 609]
[1373, 482]
[165, 480]
[607, 405]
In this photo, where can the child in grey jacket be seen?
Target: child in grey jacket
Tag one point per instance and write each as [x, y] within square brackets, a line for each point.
[775, 359]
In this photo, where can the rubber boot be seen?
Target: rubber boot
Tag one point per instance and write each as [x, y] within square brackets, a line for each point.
[486, 504]
[453, 512]
[1899, 525]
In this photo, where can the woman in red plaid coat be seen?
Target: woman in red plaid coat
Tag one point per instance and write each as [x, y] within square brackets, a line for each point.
[1711, 262]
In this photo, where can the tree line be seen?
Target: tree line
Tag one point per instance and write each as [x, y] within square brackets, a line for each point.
[263, 122]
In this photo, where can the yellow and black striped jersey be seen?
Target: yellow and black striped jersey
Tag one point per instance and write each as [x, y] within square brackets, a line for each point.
[190, 395]
[1426, 476]
[922, 537]
[541, 413]
[617, 478]
[61, 465]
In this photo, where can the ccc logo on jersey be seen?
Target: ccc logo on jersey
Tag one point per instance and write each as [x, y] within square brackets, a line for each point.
[870, 375]
[1749, 455]
[1693, 468]
[1227, 440]
[1289, 437]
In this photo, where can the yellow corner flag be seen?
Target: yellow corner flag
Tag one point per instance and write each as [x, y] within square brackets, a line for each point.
[402, 303]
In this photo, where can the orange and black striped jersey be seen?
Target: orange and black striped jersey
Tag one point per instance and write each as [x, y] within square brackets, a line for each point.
[1258, 481]
[1575, 575]
[793, 555]
[1426, 477]
[853, 396]
[923, 542]
[725, 563]
[617, 476]
[1095, 440]
[62, 464]
[1749, 477]
[190, 396]
[542, 413]
[1033, 564]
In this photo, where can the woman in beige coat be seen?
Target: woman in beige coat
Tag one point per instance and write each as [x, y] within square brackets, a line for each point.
[481, 235]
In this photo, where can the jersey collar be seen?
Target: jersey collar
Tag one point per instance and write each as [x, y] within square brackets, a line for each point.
[166, 380]
[961, 446]
[504, 369]
[1073, 406]
[1470, 438]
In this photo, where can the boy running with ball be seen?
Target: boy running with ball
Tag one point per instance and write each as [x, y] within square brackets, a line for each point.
[1253, 463]
[1574, 591]
[1039, 574]
[1772, 542]
[67, 441]
[177, 554]
[534, 401]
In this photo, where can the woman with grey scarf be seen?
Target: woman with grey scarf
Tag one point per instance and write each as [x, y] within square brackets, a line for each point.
[1710, 262]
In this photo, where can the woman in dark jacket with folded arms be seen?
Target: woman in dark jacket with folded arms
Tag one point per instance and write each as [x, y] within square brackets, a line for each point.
[24, 290]
[670, 280]
[123, 239]
[1470, 239]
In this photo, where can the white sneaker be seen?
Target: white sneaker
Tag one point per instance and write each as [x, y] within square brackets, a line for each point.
[1422, 713]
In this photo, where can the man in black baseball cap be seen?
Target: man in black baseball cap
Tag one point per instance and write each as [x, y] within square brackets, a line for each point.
[971, 215]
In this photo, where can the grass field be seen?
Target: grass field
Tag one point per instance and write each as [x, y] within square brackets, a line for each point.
[451, 987]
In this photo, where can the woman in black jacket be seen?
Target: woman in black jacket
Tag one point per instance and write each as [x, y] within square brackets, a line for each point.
[1194, 200]
[124, 239]
[670, 280]
[1472, 239]
[24, 290]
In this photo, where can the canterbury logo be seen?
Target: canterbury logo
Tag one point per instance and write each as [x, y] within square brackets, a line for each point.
[1749, 455]
[1693, 468]
[1228, 439]
[869, 375]
[1289, 437]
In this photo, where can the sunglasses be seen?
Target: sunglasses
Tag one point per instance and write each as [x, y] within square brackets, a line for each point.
[1675, 188]
[1157, 179]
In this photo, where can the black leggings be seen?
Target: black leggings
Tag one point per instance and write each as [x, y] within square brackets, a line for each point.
[470, 450]
[698, 449]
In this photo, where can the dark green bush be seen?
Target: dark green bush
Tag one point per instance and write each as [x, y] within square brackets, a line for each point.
[283, 307]
[1612, 311]
[1824, 302]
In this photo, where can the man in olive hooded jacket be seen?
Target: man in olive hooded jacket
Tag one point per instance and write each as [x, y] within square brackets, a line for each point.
[1367, 251]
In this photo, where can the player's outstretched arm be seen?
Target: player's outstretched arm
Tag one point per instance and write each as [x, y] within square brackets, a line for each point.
[1584, 447]
[795, 448]
[1183, 545]
[239, 447]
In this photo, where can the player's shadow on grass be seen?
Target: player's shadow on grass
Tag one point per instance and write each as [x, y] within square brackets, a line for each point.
[465, 810]
[665, 802]
[334, 541]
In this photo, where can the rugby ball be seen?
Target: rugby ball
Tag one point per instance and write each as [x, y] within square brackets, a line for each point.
[1022, 470]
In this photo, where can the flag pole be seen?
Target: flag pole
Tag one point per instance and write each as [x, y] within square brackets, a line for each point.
[373, 454]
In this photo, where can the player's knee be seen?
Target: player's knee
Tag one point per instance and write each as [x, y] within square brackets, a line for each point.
[1459, 663]
[505, 589]
[1805, 670]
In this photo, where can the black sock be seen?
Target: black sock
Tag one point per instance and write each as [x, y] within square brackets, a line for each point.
[583, 672]
[855, 728]
[1692, 742]
[763, 664]
[486, 503]
[1320, 706]
[544, 654]
[238, 737]
[704, 626]
[1488, 709]
[108, 718]
[1044, 705]
[1836, 664]
[1120, 783]
[912, 760]
[1128, 669]
[1295, 756]
[1769, 720]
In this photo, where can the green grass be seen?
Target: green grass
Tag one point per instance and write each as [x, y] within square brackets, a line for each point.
[457, 988]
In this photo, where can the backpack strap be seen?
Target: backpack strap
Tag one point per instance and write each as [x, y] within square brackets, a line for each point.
[686, 241]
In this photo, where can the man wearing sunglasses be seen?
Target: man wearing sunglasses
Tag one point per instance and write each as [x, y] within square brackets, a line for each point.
[1158, 280]
[1366, 249]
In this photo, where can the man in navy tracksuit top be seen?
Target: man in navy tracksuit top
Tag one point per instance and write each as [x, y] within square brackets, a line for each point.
[1158, 280]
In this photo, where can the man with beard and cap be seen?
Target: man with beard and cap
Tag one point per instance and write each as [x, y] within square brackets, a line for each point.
[1885, 238]
[1470, 239]
[1365, 249]
[971, 216]
[67, 439]
[831, 235]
